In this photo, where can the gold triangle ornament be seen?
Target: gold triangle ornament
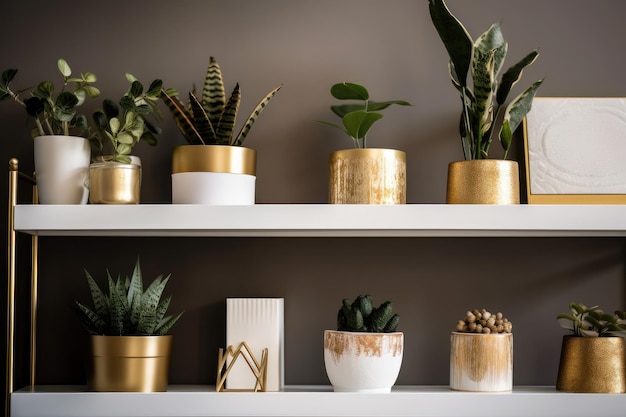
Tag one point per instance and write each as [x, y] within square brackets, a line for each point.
[259, 370]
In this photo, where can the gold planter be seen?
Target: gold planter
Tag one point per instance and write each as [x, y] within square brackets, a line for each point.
[214, 158]
[114, 182]
[481, 362]
[593, 365]
[483, 181]
[367, 176]
[129, 363]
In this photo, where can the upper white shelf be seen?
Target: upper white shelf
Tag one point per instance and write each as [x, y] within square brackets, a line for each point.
[322, 220]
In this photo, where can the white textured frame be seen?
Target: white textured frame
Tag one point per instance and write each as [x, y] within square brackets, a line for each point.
[575, 149]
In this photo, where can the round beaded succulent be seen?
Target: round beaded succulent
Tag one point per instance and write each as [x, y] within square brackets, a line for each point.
[482, 321]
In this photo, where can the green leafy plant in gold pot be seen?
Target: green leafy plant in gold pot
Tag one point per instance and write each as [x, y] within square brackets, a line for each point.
[202, 171]
[128, 326]
[475, 67]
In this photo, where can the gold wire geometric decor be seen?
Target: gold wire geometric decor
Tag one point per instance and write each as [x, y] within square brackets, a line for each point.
[259, 370]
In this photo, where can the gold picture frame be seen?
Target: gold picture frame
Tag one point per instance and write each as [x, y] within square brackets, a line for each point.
[558, 174]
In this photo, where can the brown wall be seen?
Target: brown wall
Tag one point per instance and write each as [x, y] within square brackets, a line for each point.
[307, 46]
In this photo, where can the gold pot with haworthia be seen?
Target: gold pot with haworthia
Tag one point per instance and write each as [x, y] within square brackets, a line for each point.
[367, 176]
[592, 365]
[483, 181]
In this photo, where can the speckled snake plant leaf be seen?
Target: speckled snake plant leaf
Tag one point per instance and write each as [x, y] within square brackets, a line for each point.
[515, 113]
[201, 119]
[253, 117]
[117, 312]
[513, 75]
[149, 302]
[183, 119]
[213, 94]
[483, 79]
[226, 126]
[492, 40]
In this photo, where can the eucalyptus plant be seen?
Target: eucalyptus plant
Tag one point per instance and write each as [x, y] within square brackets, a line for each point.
[360, 315]
[211, 118]
[357, 118]
[586, 321]
[124, 130]
[484, 98]
[54, 111]
[127, 309]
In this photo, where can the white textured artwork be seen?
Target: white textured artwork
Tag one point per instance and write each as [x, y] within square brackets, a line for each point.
[577, 146]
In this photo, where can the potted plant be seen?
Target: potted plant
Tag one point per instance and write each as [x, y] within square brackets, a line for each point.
[364, 354]
[364, 175]
[223, 172]
[130, 348]
[481, 353]
[62, 152]
[115, 178]
[593, 356]
[478, 179]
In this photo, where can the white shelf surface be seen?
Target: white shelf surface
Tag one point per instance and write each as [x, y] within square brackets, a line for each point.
[314, 401]
[309, 220]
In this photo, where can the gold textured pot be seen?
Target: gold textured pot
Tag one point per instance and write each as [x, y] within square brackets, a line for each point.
[115, 183]
[592, 365]
[483, 181]
[367, 176]
[129, 363]
[481, 362]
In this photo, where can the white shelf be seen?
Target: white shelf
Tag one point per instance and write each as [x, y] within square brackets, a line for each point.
[317, 401]
[322, 220]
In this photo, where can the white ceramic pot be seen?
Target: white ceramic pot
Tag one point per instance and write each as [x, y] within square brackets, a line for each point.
[62, 169]
[220, 188]
[362, 362]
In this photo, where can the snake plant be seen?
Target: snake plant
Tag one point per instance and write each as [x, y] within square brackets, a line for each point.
[127, 309]
[484, 100]
[210, 119]
[361, 316]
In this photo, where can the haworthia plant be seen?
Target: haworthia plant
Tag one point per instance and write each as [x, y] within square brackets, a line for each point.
[360, 315]
[127, 309]
[484, 98]
[211, 118]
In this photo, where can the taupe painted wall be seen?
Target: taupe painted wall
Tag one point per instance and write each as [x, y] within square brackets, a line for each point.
[391, 47]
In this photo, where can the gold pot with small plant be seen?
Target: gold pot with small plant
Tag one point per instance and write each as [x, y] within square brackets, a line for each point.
[474, 69]
[215, 167]
[593, 357]
[481, 353]
[364, 175]
[129, 346]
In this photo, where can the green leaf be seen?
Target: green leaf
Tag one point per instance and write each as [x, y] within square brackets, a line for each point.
[114, 125]
[7, 76]
[155, 88]
[91, 91]
[149, 302]
[89, 77]
[517, 110]
[45, 90]
[213, 93]
[201, 121]
[349, 91]
[376, 106]
[342, 109]
[455, 37]
[166, 324]
[252, 118]
[116, 310]
[182, 118]
[64, 67]
[483, 77]
[513, 75]
[492, 40]
[136, 89]
[100, 301]
[226, 126]
[358, 123]
[90, 320]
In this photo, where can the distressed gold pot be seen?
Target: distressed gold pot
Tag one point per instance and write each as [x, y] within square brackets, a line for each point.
[367, 176]
[114, 182]
[213, 174]
[481, 362]
[592, 364]
[483, 181]
[129, 363]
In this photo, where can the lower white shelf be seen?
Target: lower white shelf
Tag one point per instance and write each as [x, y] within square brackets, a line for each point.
[310, 401]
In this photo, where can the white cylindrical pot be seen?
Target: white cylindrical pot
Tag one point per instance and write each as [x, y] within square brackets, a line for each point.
[62, 169]
[218, 188]
[481, 362]
[362, 362]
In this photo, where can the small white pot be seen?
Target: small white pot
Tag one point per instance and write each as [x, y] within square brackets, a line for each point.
[62, 169]
[219, 188]
[362, 362]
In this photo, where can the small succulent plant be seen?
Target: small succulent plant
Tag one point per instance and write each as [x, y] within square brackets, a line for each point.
[357, 118]
[127, 309]
[592, 321]
[482, 321]
[211, 118]
[54, 111]
[361, 316]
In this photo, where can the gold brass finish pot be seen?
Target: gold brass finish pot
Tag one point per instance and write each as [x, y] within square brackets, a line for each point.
[114, 183]
[592, 365]
[129, 363]
[367, 176]
[483, 181]
[213, 158]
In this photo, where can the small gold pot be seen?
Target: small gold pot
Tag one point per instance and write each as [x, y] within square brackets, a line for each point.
[129, 363]
[483, 181]
[115, 183]
[592, 365]
[367, 176]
